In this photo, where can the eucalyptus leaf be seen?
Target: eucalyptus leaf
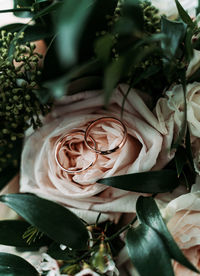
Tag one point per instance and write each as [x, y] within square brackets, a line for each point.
[12, 265]
[146, 182]
[148, 213]
[54, 220]
[184, 15]
[147, 252]
[11, 232]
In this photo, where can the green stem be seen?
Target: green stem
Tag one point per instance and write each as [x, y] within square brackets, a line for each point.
[124, 228]
[16, 10]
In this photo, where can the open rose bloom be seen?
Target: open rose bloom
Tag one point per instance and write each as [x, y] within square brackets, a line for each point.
[184, 225]
[147, 147]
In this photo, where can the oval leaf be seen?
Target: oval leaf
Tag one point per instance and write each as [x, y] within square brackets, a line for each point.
[12, 265]
[146, 182]
[54, 220]
[148, 212]
[148, 252]
[11, 232]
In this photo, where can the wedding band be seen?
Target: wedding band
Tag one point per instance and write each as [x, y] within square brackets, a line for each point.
[63, 142]
[101, 120]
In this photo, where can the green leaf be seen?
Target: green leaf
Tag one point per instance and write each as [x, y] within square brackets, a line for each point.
[148, 213]
[126, 63]
[183, 128]
[12, 265]
[175, 33]
[84, 84]
[146, 182]
[184, 15]
[54, 220]
[147, 252]
[23, 4]
[188, 45]
[57, 253]
[180, 159]
[11, 232]
[103, 47]
[132, 19]
[31, 33]
[72, 20]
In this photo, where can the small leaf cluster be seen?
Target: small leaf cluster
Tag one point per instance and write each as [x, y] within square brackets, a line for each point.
[19, 105]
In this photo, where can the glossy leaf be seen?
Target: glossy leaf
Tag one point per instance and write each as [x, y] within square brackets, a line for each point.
[11, 232]
[147, 252]
[148, 213]
[57, 253]
[72, 20]
[147, 182]
[175, 33]
[54, 220]
[184, 15]
[12, 265]
[23, 4]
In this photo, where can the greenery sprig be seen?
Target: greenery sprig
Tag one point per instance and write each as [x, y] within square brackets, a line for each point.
[19, 79]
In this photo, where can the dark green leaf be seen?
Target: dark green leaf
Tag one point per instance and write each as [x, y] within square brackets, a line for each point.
[103, 47]
[183, 128]
[11, 170]
[11, 232]
[84, 84]
[54, 220]
[147, 252]
[6, 175]
[132, 19]
[188, 45]
[57, 253]
[23, 4]
[147, 182]
[180, 159]
[148, 213]
[175, 33]
[31, 33]
[184, 15]
[189, 150]
[72, 20]
[12, 265]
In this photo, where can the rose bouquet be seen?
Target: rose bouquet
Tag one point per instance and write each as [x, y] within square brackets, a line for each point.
[100, 138]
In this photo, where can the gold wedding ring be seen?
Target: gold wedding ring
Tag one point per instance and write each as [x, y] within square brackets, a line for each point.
[68, 140]
[63, 142]
[103, 120]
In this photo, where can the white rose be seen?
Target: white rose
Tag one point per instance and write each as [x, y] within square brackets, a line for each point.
[168, 7]
[147, 148]
[184, 225]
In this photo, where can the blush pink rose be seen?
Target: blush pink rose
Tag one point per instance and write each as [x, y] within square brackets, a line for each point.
[184, 225]
[147, 148]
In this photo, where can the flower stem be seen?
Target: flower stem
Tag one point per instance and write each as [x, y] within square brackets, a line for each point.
[16, 10]
[124, 228]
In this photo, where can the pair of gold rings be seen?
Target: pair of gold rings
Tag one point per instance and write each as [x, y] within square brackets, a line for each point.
[65, 145]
